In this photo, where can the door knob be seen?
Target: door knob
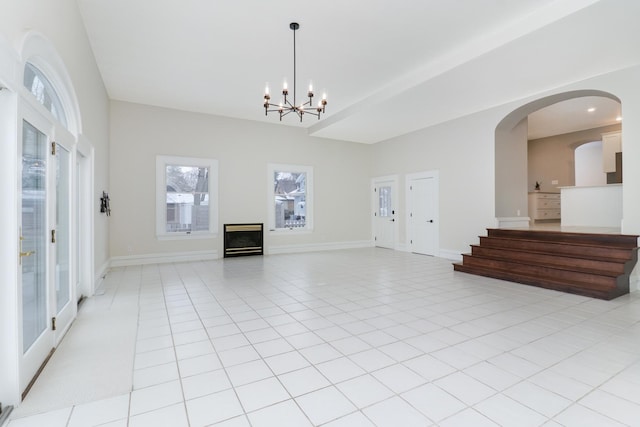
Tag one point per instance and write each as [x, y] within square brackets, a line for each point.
[431, 220]
[392, 220]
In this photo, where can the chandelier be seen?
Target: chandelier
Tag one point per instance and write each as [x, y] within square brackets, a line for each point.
[286, 106]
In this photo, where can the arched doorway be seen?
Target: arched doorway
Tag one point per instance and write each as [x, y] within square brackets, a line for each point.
[513, 182]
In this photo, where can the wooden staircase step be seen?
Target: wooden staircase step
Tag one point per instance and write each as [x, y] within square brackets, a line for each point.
[542, 271]
[623, 241]
[594, 265]
[588, 265]
[547, 283]
[578, 250]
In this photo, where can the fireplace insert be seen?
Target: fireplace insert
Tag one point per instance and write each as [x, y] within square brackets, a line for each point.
[243, 240]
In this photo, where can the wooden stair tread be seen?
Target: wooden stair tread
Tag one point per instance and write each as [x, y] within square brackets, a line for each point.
[608, 267]
[572, 287]
[589, 264]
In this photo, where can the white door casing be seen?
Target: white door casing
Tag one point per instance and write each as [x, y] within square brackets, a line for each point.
[384, 202]
[422, 213]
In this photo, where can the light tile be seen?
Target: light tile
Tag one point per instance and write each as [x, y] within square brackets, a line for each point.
[273, 347]
[492, 376]
[261, 393]
[286, 362]
[564, 386]
[395, 412]
[283, 414]
[538, 398]
[372, 360]
[340, 369]
[466, 418]
[306, 339]
[213, 408]
[249, 372]
[154, 358]
[303, 381]
[155, 375]
[156, 343]
[199, 364]
[614, 407]
[155, 397]
[507, 412]
[320, 353]
[238, 355]
[398, 378]
[206, 383]
[56, 418]
[579, 416]
[325, 405]
[170, 416]
[465, 388]
[355, 419]
[429, 367]
[364, 391]
[100, 411]
[433, 402]
[187, 351]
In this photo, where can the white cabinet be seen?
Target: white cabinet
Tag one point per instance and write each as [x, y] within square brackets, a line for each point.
[611, 144]
[544, 206]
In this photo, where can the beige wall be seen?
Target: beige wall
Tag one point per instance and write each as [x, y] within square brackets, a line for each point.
[58, 27]
[552, 158]
[243, 149]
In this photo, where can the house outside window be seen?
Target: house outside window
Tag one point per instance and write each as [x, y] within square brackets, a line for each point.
[186, 200]
[290, 197]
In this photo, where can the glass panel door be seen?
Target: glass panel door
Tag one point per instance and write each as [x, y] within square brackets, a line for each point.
[33, 238]
[62, 229]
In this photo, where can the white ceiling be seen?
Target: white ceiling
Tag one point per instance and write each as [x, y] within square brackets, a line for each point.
[388, 67]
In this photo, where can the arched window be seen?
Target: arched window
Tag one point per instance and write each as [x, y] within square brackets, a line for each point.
[45, 94]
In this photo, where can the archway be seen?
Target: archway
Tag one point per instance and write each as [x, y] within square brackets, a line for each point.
[511, 166]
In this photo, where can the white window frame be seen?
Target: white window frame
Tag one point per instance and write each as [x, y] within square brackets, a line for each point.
[161, 197]
[309, 205]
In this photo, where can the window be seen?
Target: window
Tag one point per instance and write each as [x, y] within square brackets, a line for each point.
[45, 94]
[290, 197]
[187, 197]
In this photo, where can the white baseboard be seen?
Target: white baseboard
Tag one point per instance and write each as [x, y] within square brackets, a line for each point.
[449, 254]
[313, 247]
[162, 258]
[513, 221]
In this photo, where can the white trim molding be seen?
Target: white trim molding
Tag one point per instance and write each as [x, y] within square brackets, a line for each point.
[512, 222]
[449, 254]
[163, 258]
[314, 247]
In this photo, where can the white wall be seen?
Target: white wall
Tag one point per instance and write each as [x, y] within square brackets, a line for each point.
[58, 26]
[463, 151]
[243, 150]
[588, 163]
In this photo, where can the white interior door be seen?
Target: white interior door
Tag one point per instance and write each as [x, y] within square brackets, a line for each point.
[384, 221]
[45, 253]
[64, 303]
[423, 214]
[37, 335]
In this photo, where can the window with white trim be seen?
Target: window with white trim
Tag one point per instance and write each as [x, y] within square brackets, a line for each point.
[41, 88]
[186, 197]
[290, 197]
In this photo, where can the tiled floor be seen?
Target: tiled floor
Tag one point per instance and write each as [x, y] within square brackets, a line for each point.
[366, 337]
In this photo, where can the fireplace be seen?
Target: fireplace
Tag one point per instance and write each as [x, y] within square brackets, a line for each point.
[242, 240]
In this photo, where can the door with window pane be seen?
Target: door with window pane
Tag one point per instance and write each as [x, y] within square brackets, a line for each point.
[384, 226]
[63, 306]
[37, 337]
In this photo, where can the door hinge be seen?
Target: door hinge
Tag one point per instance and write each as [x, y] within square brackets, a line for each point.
[411, 187]
[53, 236]
[53, 148]
[53, 323]
[375, 238]
[411, 241]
